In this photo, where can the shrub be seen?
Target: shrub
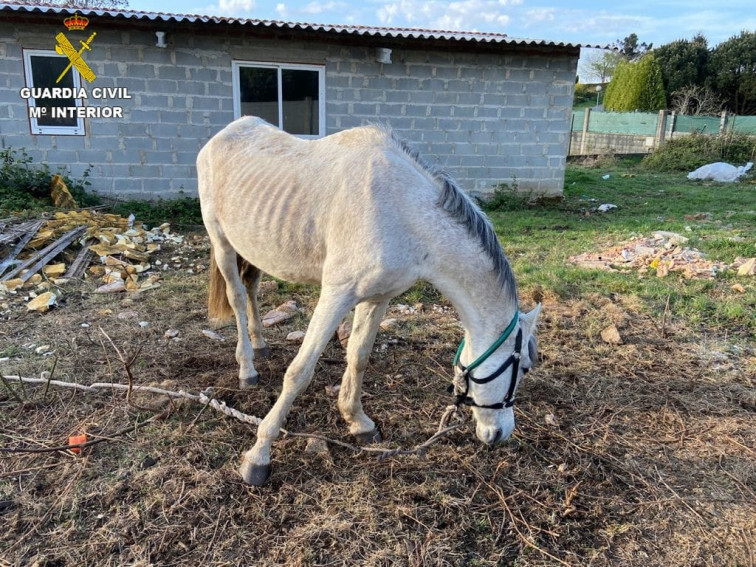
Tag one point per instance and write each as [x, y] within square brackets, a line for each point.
[25, 185]
[691, 152]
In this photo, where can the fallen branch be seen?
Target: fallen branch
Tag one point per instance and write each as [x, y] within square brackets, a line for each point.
[206, 400]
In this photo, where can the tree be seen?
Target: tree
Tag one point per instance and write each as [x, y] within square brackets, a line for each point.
[732, 72]
[630, 49]
[600, 66]
[696, 100]
[683, 64]
[636, 86]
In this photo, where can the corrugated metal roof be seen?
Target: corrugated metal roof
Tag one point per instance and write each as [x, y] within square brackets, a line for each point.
[366, 31]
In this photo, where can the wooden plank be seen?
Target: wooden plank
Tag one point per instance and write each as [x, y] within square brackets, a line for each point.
[32, 229]
[41, 258]
[76, 270]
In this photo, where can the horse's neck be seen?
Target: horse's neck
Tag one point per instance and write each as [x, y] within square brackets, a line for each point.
[485, 307]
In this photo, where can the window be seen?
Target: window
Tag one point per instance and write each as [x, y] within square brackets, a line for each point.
[288, 96]
[42, 69]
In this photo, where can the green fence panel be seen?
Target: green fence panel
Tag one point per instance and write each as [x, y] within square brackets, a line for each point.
[577, 120]
[742, 125]
[700, 124]
[631, 123]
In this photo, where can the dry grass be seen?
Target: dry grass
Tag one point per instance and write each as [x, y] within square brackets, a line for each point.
[636, 454]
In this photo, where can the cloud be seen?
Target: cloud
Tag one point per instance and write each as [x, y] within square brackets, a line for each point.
[321, 7]
[281, 10]
[235, 6]
[468, 15]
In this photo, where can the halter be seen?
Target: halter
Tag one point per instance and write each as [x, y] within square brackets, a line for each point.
[513, 361]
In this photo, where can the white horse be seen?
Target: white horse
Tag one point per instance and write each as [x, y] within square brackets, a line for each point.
[360, 214]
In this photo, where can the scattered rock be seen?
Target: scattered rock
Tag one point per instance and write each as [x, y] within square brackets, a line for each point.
[611, 335]
[275, 317]
[388, 324]
[144, 324]
[212, 335]
[333, 391]
[42, 349]
[171, 334]
[739, 288]
[288, 307]
[748, 268]
[128, 315]
[344, 331]
[42, 302]
[606, 207]
[295, 336]
[551, 420]
[317, 447]
[115, 287]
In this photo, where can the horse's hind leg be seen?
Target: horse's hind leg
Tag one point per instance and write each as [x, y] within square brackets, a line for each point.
[332, 307]
[251, 277]
[367, 318]
[226, 260]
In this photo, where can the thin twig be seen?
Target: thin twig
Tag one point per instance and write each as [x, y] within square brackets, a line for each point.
[12, 392]
[664, 318]
[49, 376]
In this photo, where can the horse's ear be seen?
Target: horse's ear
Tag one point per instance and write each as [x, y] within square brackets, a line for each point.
[528, 320]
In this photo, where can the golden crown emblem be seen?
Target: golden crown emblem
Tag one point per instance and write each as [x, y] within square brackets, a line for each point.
[76, 22]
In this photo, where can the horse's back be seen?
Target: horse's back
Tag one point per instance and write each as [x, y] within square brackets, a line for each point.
[289, 205]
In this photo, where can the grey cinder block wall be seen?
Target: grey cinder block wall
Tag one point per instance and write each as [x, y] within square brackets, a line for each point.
[495, 116]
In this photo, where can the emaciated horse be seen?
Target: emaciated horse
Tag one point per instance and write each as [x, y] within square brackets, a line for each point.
[360, 214]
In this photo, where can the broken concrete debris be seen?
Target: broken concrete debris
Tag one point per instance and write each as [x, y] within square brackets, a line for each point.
[115, 249]
[661, 254]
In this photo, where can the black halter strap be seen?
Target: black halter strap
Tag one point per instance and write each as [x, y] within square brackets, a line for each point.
[508, 402]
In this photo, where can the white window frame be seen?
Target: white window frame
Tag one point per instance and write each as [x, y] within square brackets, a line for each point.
[320, 69]
[36, 128]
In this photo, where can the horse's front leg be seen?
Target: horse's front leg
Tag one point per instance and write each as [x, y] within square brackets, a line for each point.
[333, 305]
[367, 318]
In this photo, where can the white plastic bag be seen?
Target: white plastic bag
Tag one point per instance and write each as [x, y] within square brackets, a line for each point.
[720, 171]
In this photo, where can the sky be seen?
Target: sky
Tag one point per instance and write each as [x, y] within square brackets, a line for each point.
[573, 21]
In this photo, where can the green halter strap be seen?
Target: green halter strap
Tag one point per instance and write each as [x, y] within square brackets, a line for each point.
[478, 361]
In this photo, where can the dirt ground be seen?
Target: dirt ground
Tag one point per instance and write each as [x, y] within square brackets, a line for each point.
[639, 453]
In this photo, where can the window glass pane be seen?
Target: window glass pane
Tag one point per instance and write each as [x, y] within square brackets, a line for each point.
[300, 101]
[259, 93]
[45, 71]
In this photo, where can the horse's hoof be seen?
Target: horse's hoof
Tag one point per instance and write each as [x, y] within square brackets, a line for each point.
[262, 353]
[369, 437]
[249, 382]
[254, 475]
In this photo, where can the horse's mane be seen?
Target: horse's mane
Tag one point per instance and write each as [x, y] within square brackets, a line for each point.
[462, 209]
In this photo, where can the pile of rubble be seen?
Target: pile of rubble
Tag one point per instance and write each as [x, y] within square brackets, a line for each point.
[113, 250]
[661, 254]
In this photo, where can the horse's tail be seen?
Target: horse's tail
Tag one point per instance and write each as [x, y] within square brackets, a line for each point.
[218, 307]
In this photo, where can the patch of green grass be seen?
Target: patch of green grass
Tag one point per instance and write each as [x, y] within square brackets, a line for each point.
[540, 239]
[182, 213]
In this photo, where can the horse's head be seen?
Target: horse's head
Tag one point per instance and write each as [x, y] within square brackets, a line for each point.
[488, 383]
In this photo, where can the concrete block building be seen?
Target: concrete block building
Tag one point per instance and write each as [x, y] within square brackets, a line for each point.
[138, 93]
